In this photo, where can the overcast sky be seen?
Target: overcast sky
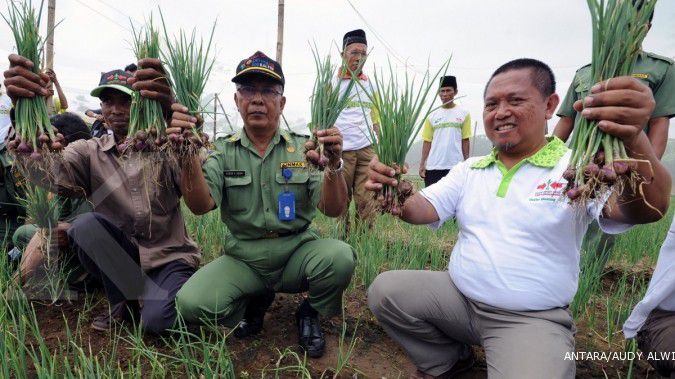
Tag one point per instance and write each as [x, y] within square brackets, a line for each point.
[479, 34]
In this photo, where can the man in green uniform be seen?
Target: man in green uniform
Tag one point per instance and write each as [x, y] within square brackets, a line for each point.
[659, 74]
[267, 197]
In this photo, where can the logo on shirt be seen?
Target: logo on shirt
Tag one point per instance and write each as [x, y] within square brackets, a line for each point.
[550, 190]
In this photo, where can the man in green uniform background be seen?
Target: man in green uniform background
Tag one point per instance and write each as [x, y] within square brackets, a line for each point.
[659, 74]
[267, 197]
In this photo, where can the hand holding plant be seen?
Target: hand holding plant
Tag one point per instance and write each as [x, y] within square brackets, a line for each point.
[381, 176]
[331, 142]
[184, 125]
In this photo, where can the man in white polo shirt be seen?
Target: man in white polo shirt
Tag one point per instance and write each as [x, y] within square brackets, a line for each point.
[515, 266]
[653, 319]
[5, 121]
[445, 134]
[354, 123]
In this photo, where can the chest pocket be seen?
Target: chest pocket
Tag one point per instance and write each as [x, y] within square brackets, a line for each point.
[238, 193]
[298, 184]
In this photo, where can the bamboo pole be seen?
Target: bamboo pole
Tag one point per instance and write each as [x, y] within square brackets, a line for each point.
[215, 114]
[51, 15]
[280, 31]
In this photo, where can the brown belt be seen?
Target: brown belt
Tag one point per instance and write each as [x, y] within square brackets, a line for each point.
[271, 234]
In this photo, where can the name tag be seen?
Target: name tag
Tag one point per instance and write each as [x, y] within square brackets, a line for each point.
[641, 76]
[286, 206]
[297, 164]
[234, 173]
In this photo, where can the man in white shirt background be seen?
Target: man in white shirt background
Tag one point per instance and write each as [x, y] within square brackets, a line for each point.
[5, 108]
[354, 123]
[515, 266]
[446, 134]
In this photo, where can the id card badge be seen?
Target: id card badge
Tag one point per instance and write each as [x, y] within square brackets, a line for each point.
[286, 199]
[286, 206]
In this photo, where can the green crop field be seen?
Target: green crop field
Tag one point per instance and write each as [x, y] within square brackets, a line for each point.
[53, 339]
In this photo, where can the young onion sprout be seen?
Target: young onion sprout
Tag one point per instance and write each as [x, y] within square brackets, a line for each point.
[44, 210]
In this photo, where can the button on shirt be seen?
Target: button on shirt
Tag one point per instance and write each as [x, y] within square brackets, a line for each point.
[519, 239]
[246, 185]
[142, 198]
[661, 291]
[358, 117]
[445, 128]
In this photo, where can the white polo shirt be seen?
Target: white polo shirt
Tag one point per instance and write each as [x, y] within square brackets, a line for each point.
[5, 121]
[661, 291]
[358, 116]
[519, 239]
[445, 128]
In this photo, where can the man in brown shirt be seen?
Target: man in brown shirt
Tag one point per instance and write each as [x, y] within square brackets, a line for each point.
[135, 240]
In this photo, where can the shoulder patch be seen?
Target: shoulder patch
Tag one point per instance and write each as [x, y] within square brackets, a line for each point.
[660, 57]
[302, 135]
[234, 137]
[583, 67]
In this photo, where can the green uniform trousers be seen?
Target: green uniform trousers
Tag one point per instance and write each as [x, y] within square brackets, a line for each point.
[23, 235]
[219, 292]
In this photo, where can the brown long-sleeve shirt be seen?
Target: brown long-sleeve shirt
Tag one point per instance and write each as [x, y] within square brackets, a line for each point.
[140, 196]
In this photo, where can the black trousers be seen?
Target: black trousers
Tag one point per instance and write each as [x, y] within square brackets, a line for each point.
[657, 337]
[432, 176]
[108, 254]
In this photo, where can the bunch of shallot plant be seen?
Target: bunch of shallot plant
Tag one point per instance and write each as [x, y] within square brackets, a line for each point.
[403, 105]
[327, 101]
[35, 135]
[189, 62]
[599, 161]
[147, 124]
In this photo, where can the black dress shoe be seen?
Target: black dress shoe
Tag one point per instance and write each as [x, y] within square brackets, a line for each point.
[252, 323]
[122, 311]
[310, 336]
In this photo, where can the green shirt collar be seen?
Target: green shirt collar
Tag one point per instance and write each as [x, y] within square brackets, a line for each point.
[242, 137]
[548, 156]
